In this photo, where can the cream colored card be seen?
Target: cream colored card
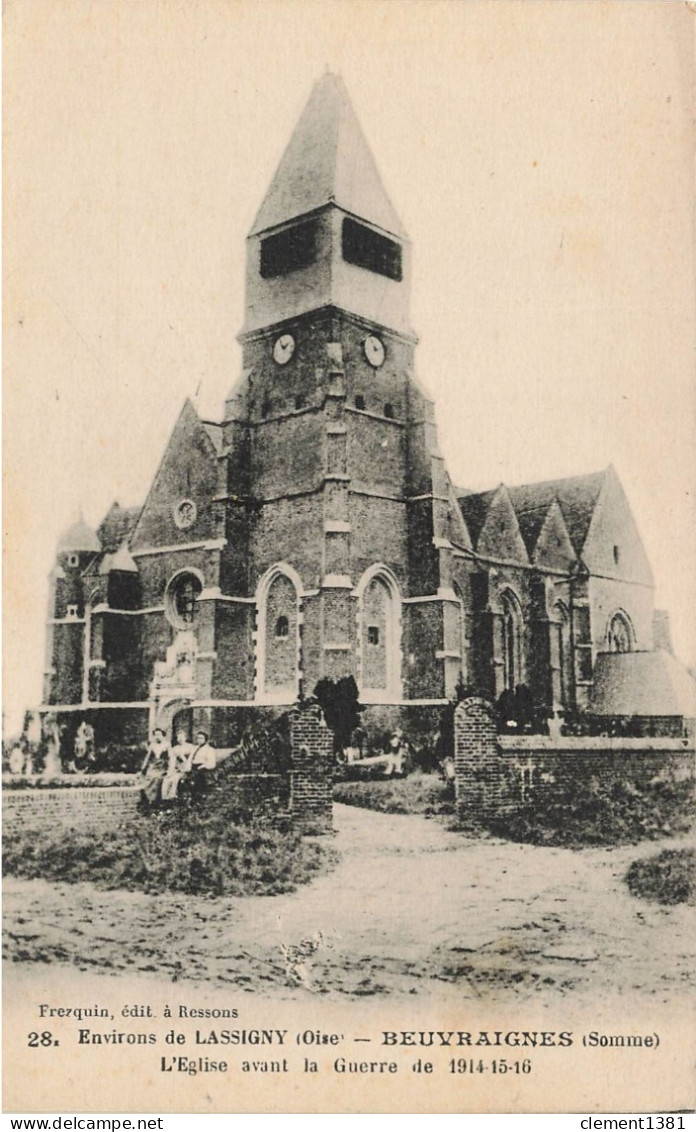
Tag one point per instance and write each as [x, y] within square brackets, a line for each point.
[541, 158]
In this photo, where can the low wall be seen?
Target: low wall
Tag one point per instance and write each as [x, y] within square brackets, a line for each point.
[302, 793]
[500, 773]
[42, 808]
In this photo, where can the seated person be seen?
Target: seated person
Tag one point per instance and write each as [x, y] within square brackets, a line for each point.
[203, 760]
[153, 770]
[179, 765]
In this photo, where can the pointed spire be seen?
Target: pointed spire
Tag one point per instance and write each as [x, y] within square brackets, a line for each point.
[79, 537]
[327, 161]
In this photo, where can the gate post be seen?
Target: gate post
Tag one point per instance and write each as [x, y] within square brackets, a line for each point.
[311, 783]
[478, 780]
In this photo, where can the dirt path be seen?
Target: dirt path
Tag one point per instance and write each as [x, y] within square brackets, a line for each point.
[411, 908]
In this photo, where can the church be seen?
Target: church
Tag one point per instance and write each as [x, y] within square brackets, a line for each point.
[314, 530]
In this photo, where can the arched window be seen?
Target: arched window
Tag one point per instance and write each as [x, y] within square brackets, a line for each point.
[565, 654]
[513, 627]
[620, 634]
[462, 634]
[380, 636]
[278, 636]
[181, 597]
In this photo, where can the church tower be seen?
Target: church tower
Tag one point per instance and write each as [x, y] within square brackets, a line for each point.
[334, 480]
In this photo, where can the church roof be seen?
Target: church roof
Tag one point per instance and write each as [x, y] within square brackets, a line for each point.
[214, 431]
[79, 537]
[117, 526]
[122, 561]
[327, 161]
[642, 683]
[577, 497]
[474, 508]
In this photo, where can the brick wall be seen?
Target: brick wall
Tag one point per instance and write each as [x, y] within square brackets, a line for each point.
[496, 773]
[307, 795]
[312, 769]
[98, 807]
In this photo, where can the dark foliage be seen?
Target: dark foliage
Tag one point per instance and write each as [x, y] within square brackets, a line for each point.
[339, 701]
[612, 811]
[668, 878]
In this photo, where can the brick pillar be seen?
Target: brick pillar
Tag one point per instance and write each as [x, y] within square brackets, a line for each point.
[311, 792]
[477, 761]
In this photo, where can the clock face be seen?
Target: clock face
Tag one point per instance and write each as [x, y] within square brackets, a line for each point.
[374, 350]
[283, 349]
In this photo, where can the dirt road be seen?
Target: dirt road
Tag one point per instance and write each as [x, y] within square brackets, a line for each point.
[411, 909]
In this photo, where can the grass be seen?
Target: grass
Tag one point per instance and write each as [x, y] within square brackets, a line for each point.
[423, 794]
[667, 878]
[212, 849]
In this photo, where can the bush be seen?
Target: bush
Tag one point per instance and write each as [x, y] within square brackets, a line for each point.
[668, 878]
[423, 794]
[607, 812]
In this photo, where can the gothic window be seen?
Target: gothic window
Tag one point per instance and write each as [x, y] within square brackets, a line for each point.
[380, 650]
[462, 635]
[73, 560]
[512, 640]
[565, 654]
[278, 637]
[366, 248]
[180, 600]
[289, 250]
[619, 634]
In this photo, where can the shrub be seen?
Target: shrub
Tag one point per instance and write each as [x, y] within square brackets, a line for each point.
[610, 811]
[668, 878]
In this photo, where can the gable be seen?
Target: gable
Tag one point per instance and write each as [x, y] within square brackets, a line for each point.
[613, 546]
[553, 547]
[188, 473]
[500, 534]
[457, 531]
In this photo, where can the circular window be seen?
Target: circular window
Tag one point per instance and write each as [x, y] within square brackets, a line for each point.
[73, 560]
[180, 602]
[185, 514]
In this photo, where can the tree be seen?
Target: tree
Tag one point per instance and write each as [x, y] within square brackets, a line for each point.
[339, 702]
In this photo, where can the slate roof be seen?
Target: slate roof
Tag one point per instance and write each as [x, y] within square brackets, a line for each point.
[327, 161]
[577, 497]
[117, 526]
[642, 683]
[474, 508]
[214, 431]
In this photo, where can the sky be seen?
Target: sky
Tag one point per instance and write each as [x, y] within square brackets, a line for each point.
[540, 156]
